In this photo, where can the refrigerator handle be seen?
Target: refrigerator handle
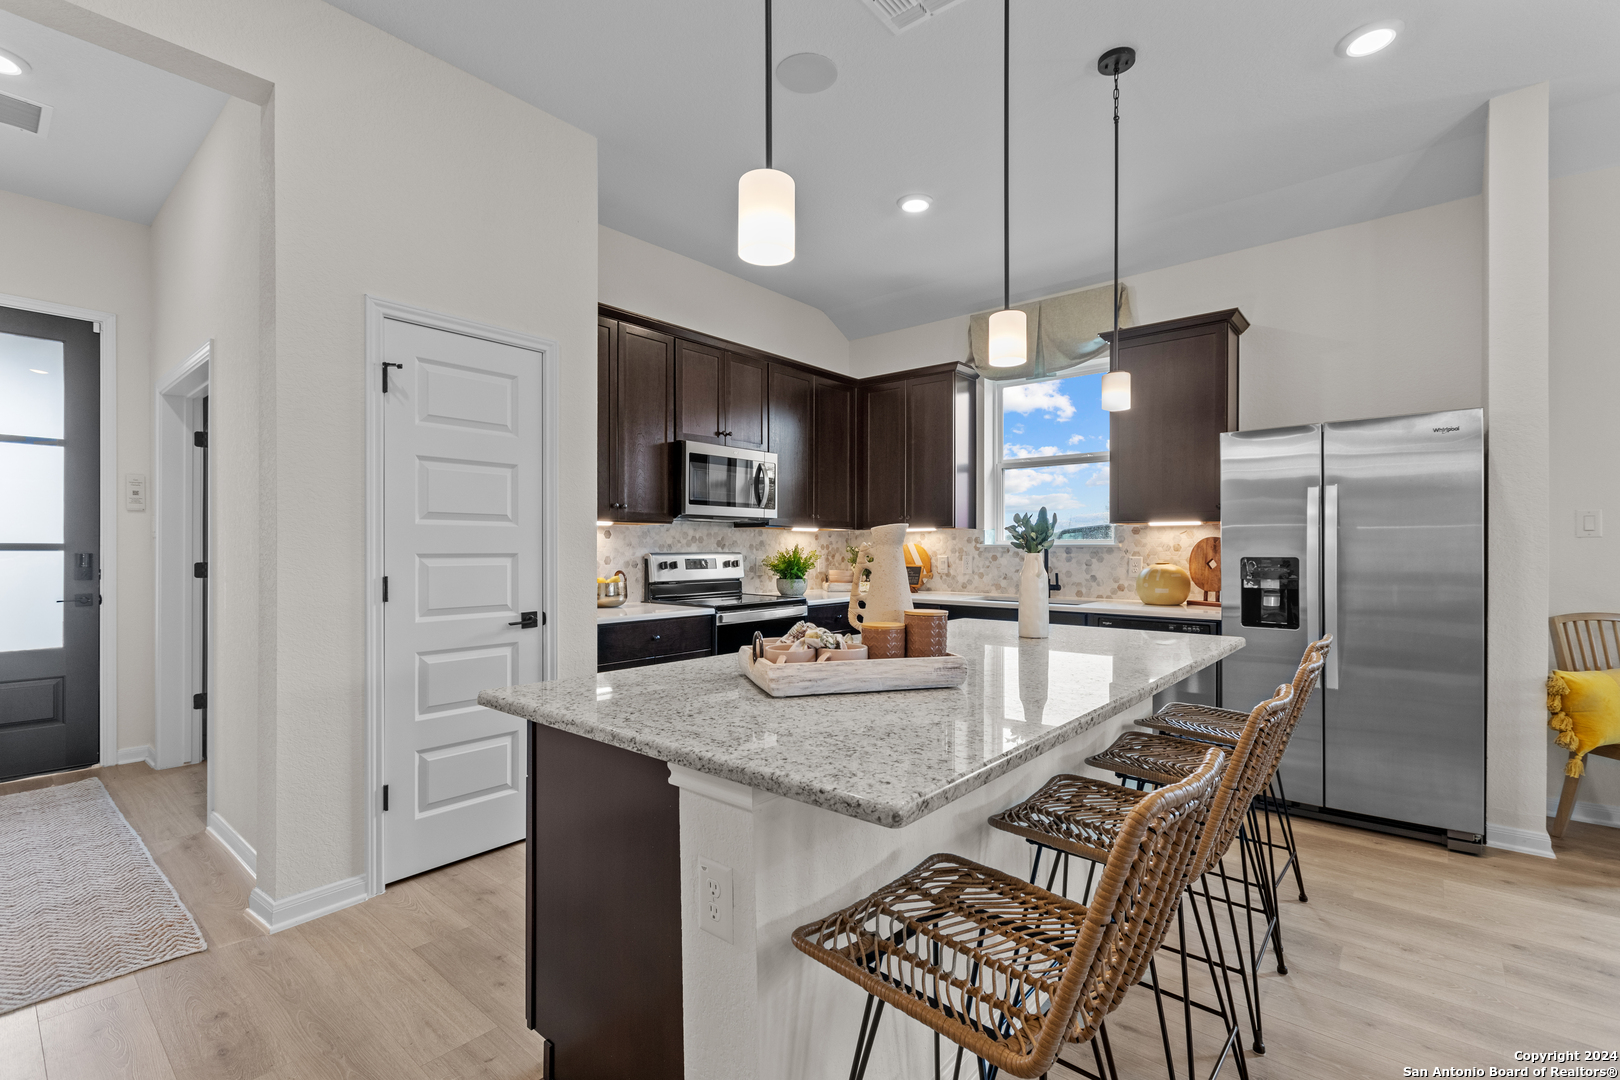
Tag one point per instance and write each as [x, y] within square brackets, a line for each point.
[1330, 581]
[1313, 563]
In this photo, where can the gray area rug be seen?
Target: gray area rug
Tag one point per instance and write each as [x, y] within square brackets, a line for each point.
[81, 900]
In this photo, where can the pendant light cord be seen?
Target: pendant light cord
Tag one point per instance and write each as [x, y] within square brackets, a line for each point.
[768, 150]
[1113, 344]
[1006, 155]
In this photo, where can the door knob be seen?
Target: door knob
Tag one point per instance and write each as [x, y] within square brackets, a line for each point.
[528, 620]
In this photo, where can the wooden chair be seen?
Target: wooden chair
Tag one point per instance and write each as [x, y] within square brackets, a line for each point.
[1005, 969]
[1584, 641]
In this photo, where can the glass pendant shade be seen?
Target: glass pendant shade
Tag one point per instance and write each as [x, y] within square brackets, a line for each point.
[765, 217]
[1116, 391]
[1009, 338]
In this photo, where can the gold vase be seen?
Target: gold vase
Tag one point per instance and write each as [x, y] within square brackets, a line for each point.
[1163, 583]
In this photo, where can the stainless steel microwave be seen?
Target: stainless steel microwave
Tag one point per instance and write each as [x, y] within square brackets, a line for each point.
[726, 483]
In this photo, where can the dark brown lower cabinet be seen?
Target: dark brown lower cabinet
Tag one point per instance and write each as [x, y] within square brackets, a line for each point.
[1165, 450]
[603, 910]
[653, 641]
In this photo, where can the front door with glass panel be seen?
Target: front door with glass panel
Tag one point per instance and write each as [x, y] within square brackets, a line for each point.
[50, 544]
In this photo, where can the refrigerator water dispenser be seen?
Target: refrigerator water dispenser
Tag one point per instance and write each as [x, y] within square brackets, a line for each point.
[1270, 592]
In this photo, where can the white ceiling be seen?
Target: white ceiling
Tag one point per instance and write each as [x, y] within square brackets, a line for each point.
[121, 132]
[1240, 125]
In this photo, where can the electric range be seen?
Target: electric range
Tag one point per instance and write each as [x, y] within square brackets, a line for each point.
[714, 579]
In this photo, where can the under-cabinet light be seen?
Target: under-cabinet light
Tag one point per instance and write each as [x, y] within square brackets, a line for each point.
[804, 528]
[923, 528]
[603, 524]
[1164, 523]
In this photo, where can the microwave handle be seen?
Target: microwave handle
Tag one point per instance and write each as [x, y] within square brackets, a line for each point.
[759, 484]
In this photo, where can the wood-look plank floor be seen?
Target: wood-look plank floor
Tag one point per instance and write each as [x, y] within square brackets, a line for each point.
[1406, 956]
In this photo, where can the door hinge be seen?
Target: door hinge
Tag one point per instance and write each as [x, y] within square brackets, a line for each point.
[199, 438]
[385, 798]
[385, 588]
[542, 618]
[385, 367]
[199, 701]
[199, 569]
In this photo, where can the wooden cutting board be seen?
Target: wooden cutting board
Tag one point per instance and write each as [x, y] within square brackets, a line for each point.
[1204, 564]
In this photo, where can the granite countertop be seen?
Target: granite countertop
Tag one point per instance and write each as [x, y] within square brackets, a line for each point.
[888, 758]
[1074, 603]
[632, 612]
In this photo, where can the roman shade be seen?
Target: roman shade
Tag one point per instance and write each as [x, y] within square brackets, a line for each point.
[1063, 333]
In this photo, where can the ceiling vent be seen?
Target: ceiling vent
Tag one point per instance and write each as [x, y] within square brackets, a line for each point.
[902, 15]
[29, 116]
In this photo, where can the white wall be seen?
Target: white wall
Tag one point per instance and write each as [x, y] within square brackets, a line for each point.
[634, 275]
[73, 257]
[1375, 319]
[1517, 244]
[1585, 398]
[205, 286]
[395, 175]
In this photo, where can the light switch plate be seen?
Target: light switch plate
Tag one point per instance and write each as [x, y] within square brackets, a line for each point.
[714, 903]
[1588, 523]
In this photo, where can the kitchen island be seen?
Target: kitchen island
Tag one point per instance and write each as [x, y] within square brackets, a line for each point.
[792, 807]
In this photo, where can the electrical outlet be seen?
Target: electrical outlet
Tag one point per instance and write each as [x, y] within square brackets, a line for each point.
[1588, 523]
[714, 906]
[1136, 565]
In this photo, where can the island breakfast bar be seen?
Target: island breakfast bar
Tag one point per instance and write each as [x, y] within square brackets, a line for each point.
[793, 807]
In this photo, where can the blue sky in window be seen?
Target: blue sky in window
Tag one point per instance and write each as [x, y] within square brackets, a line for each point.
[1061, 416]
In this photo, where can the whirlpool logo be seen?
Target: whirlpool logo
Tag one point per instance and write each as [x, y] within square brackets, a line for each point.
[1444, 430]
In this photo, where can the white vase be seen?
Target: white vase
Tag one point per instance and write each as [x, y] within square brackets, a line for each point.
[1034, 598]
[888, 592]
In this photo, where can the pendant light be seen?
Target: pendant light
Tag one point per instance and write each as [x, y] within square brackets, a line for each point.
[1116, 385]
[1009, 329]
[765, 197]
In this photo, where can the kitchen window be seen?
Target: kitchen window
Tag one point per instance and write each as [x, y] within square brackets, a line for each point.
[1047, 445]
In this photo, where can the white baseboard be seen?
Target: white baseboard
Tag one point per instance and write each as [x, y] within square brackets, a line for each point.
[128, 755]
[277, 915]
[1594, 813]
[1524, 841]
[232, 841]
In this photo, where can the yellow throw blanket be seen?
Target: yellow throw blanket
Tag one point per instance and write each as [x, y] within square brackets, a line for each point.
[1584, 708]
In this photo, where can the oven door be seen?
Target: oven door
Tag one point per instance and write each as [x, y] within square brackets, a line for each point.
[727, 483]
[734, 629]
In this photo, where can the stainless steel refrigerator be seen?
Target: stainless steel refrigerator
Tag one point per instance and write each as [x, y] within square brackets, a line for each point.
[1372, 531]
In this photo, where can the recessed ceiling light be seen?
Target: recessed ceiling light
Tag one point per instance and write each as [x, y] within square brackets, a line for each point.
[1369, 39]
[915, 204]
[807, 73]
[12, 64]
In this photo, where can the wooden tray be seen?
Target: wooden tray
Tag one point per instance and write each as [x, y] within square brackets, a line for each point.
[853, 676]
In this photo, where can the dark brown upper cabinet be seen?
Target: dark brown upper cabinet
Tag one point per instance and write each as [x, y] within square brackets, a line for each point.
[720, 396]
[917, 448]
[832, 443]
[1165, 450]
[635, 388]
[792, 409]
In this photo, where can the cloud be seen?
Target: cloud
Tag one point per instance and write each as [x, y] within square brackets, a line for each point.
[1018, 429]
[1076, 440]
[1019, 450]
[1098, 478]
[1037, 397]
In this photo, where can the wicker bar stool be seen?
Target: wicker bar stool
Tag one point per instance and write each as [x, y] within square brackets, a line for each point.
[1205, 723]
[1006, 969]
[1080, 816]
[1150, 758]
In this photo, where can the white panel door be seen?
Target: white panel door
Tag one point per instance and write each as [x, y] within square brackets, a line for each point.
[462, 502]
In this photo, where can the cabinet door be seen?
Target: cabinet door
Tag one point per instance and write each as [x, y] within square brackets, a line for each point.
[644, 425]
[791, 396]
[882, 464]
[744, 417]
[698, 374]
[832, 445]
[607, 494]
[1165, 461]
[930, 439]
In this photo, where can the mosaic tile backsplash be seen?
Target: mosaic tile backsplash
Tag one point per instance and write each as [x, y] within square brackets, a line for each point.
[962, 560]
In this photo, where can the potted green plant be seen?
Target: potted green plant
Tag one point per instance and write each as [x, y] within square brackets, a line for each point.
[1033, 537]
[790, 566]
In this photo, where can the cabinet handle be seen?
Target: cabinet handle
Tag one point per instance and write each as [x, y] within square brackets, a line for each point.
[658, 637]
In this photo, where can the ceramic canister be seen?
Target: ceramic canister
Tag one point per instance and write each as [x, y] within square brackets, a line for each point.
[926, 632]
[884, 640]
